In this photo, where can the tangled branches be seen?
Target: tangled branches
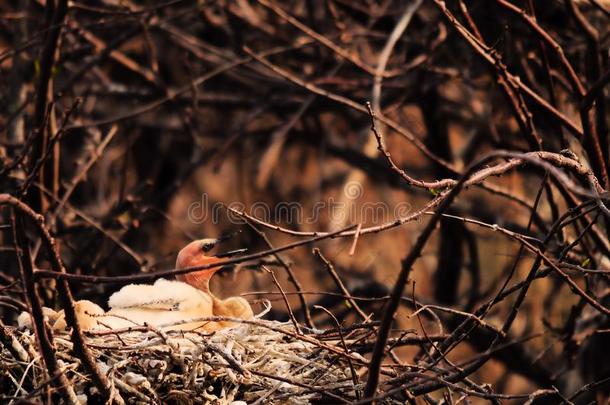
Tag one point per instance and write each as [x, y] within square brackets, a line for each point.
[447, 161]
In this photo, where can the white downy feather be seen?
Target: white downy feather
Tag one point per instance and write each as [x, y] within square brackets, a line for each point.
[162, 295]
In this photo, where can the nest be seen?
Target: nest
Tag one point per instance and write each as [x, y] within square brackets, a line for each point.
[256, 362]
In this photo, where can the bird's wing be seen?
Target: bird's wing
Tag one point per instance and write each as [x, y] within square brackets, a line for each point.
[165, 295]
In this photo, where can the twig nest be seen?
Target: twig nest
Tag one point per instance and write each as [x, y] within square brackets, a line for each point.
[257, 360]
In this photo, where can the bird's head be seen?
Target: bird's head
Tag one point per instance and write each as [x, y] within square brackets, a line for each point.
[200, 253]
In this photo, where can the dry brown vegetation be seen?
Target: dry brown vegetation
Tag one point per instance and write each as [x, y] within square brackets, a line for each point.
[422, 187]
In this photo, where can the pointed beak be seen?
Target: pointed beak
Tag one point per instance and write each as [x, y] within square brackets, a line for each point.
[230, 253]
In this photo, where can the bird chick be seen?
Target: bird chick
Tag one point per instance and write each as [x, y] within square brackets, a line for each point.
[175, 303]
[24, 320]
[87, 314]
[171, 305]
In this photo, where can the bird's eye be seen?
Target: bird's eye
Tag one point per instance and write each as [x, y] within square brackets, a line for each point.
[206, 247]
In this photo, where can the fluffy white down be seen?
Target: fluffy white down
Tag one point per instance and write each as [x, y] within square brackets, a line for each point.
[163, 294]
[24, 320]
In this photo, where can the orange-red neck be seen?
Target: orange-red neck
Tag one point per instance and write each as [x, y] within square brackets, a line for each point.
[199, 279]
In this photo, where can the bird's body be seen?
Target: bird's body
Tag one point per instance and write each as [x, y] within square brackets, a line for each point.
[166, 304]
[172, 304]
